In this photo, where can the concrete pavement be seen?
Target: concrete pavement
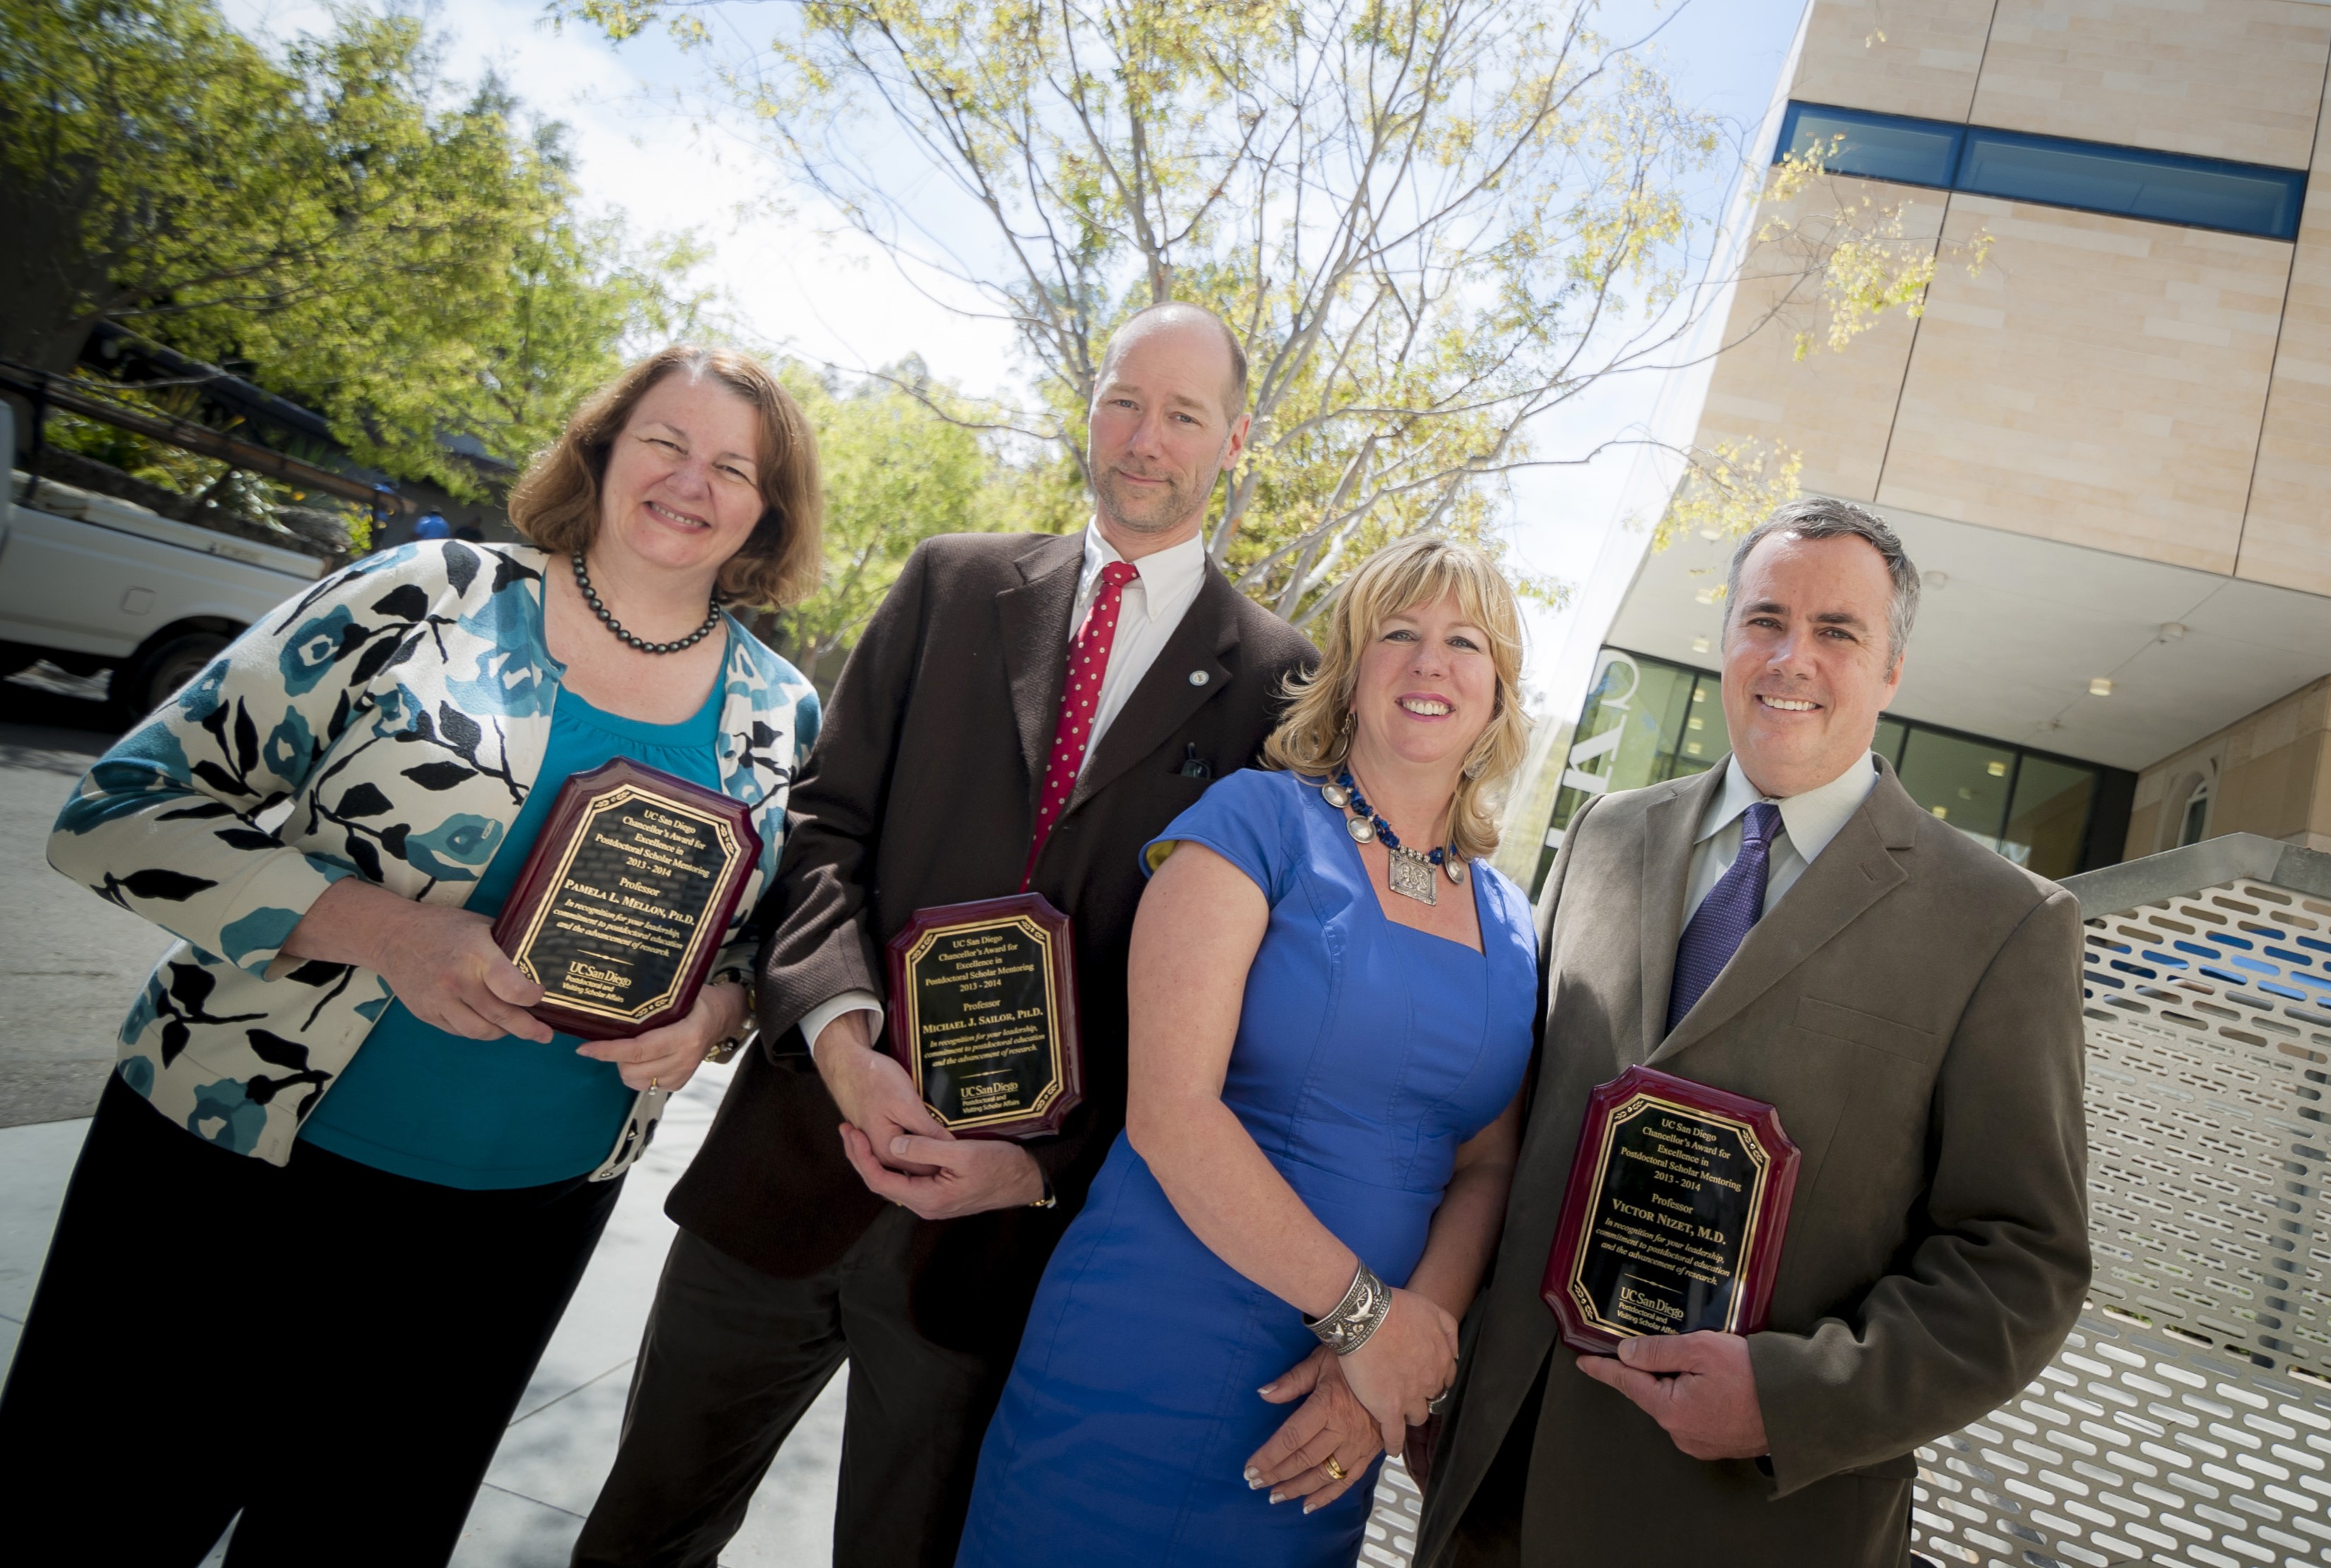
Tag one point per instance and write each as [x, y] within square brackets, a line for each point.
[70, 961]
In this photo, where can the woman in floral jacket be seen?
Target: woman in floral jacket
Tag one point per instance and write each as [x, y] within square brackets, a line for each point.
[342, 1184]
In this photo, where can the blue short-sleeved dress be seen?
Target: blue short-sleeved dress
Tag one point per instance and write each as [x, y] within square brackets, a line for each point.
[1366, 1053]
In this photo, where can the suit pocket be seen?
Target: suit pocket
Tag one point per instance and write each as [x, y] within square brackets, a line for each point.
[1838, 1021]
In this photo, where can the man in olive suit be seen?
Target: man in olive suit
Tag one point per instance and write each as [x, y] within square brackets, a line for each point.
[1789, 925]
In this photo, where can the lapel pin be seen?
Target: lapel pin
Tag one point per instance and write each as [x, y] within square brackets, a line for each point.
[1197, 678]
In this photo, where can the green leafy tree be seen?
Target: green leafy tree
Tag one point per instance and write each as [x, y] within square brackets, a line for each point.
[413, 270]
[1432, 222]
[895, 474]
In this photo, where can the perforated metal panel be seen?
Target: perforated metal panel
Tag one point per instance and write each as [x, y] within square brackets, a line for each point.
[2188, 1419]
[1391, 1540]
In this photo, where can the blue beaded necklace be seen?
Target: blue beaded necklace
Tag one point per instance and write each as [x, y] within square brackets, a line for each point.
[1410, 871]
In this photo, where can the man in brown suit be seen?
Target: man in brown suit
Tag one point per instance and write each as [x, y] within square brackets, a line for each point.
[1790, 927]
[829, 1215]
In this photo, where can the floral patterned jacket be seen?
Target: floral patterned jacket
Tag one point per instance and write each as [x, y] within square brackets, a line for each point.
[389, 724]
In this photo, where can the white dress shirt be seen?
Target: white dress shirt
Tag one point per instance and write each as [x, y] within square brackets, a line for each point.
[1808, 822]
[1153, 607]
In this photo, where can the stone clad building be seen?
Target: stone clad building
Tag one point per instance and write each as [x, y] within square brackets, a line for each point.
[2109, 446]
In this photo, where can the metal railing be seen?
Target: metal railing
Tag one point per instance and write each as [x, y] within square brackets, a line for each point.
[2188, 1419]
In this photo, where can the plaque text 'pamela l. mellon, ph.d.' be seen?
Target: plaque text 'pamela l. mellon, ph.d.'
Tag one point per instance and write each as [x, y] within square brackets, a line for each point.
[1672, 1223]
[983, 1004]
[624, 898]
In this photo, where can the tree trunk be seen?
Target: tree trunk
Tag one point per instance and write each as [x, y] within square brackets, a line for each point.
[47, 278]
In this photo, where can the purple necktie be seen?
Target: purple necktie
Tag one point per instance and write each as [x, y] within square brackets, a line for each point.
[1721, 922]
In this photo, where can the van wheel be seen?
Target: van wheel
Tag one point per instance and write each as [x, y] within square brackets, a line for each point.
[140, 688]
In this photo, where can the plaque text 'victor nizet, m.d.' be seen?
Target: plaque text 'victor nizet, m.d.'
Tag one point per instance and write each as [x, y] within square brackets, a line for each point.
[1674, 1215]
[1675, 1209]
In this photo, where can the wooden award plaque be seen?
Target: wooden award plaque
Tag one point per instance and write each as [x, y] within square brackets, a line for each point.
[983, 1015]
[1678, 1203]
[619, 910]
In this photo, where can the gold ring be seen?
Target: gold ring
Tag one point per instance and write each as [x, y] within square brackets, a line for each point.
[654, 1083]
[1334, 1471]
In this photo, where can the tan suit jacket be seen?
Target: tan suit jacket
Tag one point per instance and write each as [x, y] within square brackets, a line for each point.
[1912, 1006]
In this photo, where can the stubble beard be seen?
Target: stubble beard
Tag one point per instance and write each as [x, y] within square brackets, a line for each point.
[1172, 510]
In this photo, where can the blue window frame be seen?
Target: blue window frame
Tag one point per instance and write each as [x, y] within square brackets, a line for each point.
[1875, 147]
[2089, 176]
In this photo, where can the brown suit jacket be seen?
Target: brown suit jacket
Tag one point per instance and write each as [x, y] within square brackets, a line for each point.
[922, 789]
[1912, 1006]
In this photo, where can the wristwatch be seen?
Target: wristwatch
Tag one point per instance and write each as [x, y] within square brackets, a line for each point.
[749, 1028]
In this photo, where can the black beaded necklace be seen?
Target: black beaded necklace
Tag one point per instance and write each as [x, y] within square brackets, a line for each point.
[591, 597]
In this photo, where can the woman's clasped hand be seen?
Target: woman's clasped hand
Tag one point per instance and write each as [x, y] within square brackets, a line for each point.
[440, 961]
[1404, 1364]
[1357, 1405]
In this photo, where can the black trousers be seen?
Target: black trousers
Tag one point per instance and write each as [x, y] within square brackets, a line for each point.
[731, 1359]
[329, 1349]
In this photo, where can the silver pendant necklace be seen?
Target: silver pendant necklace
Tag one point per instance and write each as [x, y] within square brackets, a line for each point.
[1406, 871]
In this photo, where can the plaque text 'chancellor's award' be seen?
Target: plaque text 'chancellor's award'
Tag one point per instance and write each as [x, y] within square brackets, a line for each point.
[1672, 1223]
[619, 909]
[983, 1015]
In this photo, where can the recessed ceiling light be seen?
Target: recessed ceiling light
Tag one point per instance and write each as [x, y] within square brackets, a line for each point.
[1699, 645]
[2101, 686]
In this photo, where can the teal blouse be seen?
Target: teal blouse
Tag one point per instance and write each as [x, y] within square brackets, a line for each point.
[417, 1101]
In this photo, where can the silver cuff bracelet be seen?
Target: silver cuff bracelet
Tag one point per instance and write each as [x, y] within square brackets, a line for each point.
[1349, 1324]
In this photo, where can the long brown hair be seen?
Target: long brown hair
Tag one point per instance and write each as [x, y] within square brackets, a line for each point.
[556, 503]
[1314, 738]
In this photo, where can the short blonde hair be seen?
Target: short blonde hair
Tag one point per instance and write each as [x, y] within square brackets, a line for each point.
[556, 503]
[1316, 738]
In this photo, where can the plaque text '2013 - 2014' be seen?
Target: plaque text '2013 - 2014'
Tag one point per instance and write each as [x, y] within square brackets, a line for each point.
[986, 1021]
[1673, 1216]
[628, 908]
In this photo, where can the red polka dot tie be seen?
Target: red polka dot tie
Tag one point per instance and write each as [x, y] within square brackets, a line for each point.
[1079, 699]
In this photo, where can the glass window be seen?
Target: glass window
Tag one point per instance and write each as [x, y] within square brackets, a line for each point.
[2195, 826]
[2048, 824]
[1648, 720]
[1627, 736]
[2199, 192]
[2089, 177]
[1889, 741]
[1879, 147]
[1705, 736]
[1962, 782]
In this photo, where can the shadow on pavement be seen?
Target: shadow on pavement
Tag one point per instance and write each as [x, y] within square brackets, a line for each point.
[69, 712]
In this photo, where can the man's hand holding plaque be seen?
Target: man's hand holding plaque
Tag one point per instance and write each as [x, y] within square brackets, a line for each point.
[983, 1015]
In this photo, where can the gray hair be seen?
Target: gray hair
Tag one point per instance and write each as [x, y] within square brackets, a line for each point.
[1820, 517]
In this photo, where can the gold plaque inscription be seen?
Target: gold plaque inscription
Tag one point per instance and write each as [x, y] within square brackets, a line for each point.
[982, 1012]
[1673, 1214]
[627, 911]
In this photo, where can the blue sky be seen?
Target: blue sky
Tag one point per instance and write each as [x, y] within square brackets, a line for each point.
[795, 284]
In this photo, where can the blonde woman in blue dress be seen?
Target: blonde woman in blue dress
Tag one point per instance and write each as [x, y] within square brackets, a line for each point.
[1331, 995]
